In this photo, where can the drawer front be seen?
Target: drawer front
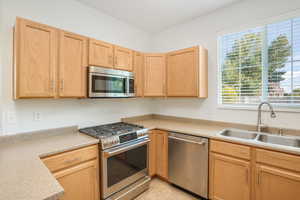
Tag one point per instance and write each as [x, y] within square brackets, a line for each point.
[68, 159]
[235, 150]
[278, 159]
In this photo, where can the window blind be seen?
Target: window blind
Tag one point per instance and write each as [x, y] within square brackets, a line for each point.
[261, 64]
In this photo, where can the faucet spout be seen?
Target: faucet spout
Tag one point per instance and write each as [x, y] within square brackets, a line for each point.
[272, 115]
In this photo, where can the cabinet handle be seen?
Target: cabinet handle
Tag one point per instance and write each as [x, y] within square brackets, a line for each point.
[52, 85]
[258, 178]
[247, 176]
[62, 83]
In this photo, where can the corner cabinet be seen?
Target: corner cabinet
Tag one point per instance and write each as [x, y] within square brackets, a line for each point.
[158, 154]
[78, 173]
[154, 75]
[72, 65]
[187, 73]
[240, 172]
[35, 60]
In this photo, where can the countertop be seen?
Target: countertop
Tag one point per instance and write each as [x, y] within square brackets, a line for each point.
[23, 176]
[208, 130]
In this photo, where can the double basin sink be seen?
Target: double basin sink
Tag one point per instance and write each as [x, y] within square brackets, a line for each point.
[287, 141]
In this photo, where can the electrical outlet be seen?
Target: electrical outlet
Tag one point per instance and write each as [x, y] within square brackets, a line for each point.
[37, 116]
[11, 117]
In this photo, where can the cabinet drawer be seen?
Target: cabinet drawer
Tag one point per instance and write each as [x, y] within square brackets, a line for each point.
[230, 149]
[64, 160]
[282, 160]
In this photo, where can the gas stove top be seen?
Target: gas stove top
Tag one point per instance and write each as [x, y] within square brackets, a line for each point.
[114, 134]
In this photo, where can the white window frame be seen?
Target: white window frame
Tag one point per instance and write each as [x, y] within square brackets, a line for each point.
[232, 30]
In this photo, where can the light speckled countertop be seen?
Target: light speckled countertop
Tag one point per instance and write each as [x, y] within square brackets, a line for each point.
[23, 176]
[209, 130]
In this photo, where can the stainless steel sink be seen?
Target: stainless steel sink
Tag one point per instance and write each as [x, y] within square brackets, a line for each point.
[239, 134]
[280, 140]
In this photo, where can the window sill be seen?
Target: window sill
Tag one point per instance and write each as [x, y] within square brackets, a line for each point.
[277, 108]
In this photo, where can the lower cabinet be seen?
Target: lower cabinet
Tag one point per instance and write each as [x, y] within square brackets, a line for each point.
[158, 154]
[78, 173]
[276, 184]
[240, 172]
[230, 178]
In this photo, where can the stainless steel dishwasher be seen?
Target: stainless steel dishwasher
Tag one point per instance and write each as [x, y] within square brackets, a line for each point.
[188, 163]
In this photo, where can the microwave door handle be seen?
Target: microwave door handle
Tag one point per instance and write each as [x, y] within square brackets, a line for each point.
[110, 153]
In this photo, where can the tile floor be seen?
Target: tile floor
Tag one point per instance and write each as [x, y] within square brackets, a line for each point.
[160, 190]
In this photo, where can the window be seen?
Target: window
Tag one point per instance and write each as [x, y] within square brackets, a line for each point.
[261, 64]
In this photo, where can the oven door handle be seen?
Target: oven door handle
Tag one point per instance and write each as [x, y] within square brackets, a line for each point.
[109, 153]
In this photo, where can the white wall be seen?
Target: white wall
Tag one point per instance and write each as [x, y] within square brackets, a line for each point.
[203, 31]
[72, 16]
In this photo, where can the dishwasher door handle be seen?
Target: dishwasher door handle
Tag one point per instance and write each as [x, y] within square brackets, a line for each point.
[188, 141]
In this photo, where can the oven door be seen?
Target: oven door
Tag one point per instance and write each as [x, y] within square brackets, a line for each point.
[105, 85]
[123, 165]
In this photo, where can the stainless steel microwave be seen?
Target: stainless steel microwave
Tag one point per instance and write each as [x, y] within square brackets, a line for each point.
[110, 83]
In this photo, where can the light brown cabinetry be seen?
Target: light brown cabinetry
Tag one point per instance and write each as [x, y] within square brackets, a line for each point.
[78, 173]
[240, 172]
[138, 69]
[49, 63]
[101, 54]
[186, 75]
[158, 156]
[230, 178]
[72, 65]
[154, 75]
[123, 58]
[35, 51]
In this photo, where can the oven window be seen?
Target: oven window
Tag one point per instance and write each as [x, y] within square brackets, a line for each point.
[104, 84]
[126, 164]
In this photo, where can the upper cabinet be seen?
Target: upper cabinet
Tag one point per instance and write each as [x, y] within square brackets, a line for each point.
[155, 75]
[187, 73]
[72, 65]
[101, 54]
[35, 51]
[49, 63]
[138, 68]
[123, 58]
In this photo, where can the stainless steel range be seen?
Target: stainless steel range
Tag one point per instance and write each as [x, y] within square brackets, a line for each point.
[124, 159]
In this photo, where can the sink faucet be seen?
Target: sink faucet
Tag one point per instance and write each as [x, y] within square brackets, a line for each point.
[273, 115]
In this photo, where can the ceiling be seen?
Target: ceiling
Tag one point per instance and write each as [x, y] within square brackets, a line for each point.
[156, 15]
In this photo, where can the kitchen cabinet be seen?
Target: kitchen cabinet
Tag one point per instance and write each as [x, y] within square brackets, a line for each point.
[101, 54]
[240, 172]
[138, 69]
[78, 173]
[230, 178]
[72, 65]
[35, 60]
[186, 74]
[158, 156]
[154, 75]
[276, 184]
[123, 58]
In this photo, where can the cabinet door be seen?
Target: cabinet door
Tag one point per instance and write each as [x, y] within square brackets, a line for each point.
[229, 178]
[79, 182]
[35, 60]
[162, 154]
[100, 53]
[154, 75]
[138, 73]
[72, 65]
[123, 58]
[276, 184]
[152, 154]
[183, 72]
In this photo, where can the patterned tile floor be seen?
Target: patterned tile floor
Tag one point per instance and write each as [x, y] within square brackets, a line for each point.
[160, 190]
